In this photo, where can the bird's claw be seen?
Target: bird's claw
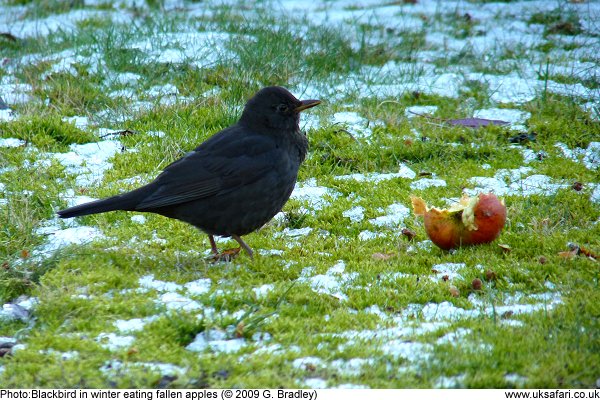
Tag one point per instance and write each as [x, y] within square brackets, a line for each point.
[226, 255]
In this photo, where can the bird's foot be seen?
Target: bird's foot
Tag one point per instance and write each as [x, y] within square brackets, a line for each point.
[226, 255]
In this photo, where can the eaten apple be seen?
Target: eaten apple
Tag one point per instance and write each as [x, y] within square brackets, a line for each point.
[473, 220]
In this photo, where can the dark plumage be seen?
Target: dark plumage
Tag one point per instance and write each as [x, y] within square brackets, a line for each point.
[233, 183]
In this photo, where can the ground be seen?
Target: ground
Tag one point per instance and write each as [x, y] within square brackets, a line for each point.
[98, 97]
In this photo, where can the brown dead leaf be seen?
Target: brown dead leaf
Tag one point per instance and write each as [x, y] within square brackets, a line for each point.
[132, 351]
[505, 248]
[25, 253]
[408, 233]
[568, 254]
[454, 291]
[239, 330]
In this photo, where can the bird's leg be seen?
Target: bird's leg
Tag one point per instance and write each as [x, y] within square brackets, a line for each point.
[244, 245]
[213, 245]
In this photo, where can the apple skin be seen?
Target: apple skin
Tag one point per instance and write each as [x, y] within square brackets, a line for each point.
[474, 221]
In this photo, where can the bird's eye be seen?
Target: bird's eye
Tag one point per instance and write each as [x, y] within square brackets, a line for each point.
[282, 108]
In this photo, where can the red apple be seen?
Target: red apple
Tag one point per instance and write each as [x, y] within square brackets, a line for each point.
[474, 220]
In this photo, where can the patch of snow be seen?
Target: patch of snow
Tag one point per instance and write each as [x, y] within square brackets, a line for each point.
[148, 282]
[415, 111]
[511, 183]
[356, 214]
[375, 177]
[351, 367]
[313, 194]
[199, 286]
[314, 383]
[134, 324]
[201, 49]
[308, 362]
[114, 342]
[396, 214]
[450, 382]
[263, 290]
[64, 237]
[368, 235]
[293, 233]
[138, 219]
[425, 183]
[595, 196]
[356, 125]
[89, 161]
[114, 367]
[6, 114]
[11, 142]
[178, 302]
[216, 341]
[330, 283]
[449, 270]
[270, 252]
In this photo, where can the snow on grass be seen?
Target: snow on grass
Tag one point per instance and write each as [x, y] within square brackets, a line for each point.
[315, 196]
[352, 122]
[11, 142]
[332, 282]
[515, 182]
[134, 324]
[115, 368]
[376, 177]
[89, 161]
[415, 111]
[114, 342]
[216, 341]
[425, 183]
[63, 237]
[201, 49]
[356, 214]
[396, 213]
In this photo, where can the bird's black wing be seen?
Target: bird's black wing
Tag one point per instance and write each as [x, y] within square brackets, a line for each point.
[234, 157]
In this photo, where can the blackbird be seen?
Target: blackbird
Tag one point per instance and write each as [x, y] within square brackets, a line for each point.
[234, 182]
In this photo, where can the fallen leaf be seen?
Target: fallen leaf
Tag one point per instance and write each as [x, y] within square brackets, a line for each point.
[408, 233]
[25, 253]
[568, 254]
[506, 248]
[454, 291]
[239, 330]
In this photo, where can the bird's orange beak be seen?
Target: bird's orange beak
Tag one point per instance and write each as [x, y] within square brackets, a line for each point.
[304, 104]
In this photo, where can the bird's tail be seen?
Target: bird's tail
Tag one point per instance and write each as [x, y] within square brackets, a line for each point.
[119, 202]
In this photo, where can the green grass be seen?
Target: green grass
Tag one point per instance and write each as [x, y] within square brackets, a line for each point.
[82, 290]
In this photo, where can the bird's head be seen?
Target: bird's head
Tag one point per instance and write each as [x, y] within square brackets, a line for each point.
[274, 108]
